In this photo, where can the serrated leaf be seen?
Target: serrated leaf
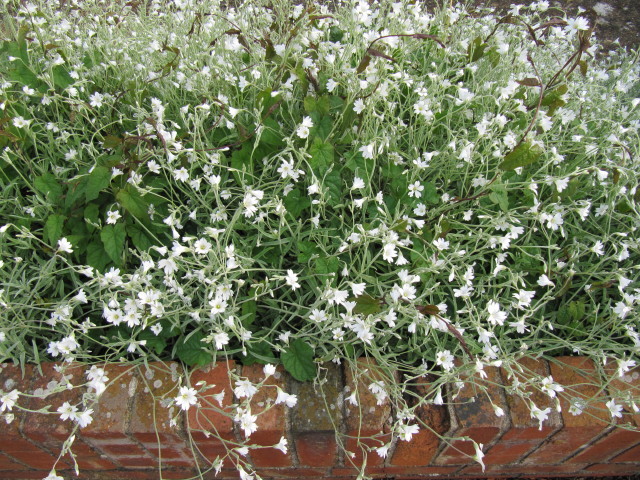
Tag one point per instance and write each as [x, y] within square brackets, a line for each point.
[98, 180]
[259, 352]
[521, 156]
[364, 63]
[319, 105]
[332, 186]
[529, 82]
[97, 257]
[133, 203]
[298, 361]
[111, 141]
[326, 265]
[295, 202]
[322, 128]
[92, 213]
[430, 193]
[139, 238]
[154, 342]
[53, 228]
[49, 186]
[321, 156]
[61, 77]
[192, 351]
[113, 238]
[366, 305]
[307, 250]
[500, 197]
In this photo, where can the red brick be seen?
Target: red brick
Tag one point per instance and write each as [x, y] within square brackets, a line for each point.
[613, 469]
[272, 425]
[7, 463]
[631, 455]
[315, 473]
[108, 431]
[49, 430]
[472, 415]
[432, 471]
[424, 445]
[12, 443]
[210, 421]
[314, 417]
[580, 380]
[155, 421]
[366, 422]
[618, 439]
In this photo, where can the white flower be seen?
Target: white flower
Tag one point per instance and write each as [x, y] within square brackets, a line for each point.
[549, 387]
[247, 422]
[186, 397]
[84, 418]
[616, 410]
[65, 246]
[441, 244]
[9, 400]
[367, 150]
[598, 248]
[269, 370]
[445, 359]
[357, 288]
[358, 106]
[540, 415]
[113, 216]
[182, 175]
[496, 316]
[20, 122]
[244, 388]
[358, 183]
[292, 280]
[221, 339]
[67, 411]
[405, 432]
[544, 281]
[524, 298]
[52, 476]
[283, 397]
[282, 445]
[479, 455]
[415, 189]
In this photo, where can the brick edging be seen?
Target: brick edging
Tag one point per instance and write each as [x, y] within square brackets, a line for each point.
[134, 431]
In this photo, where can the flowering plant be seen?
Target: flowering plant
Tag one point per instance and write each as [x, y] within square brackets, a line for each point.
[292, 185]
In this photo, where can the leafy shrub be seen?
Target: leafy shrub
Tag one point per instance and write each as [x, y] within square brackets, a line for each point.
[289, 184]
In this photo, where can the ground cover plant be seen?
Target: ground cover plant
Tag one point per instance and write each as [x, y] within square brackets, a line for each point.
[290, 184]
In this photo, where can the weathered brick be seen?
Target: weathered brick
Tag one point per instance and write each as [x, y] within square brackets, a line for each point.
[49, 430]
[108, 431]
[580, 380]
[210, 420]
[369, 417]
[312, 420]
[631, 455]
[525, 432]
[272, 423]
[627, 434]
[424, 445]
[472, 415]
[155, 422]
[614, 469]
[12, 443]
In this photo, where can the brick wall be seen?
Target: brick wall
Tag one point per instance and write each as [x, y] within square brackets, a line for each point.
[133, 431]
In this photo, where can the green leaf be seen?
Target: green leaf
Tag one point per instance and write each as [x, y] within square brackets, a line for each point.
[322, 128]
[366, 305]
[192, 351]
[139, 238]
[298, 361]
[75, 190]
[156, 343]
[476, 49]
[320, 105]
[133, 203]
[61, 77]
[321, 156]
[97, 257]
[295, 202]
[307, 250]
[430, 193]
[49, 186]
[500, 197]
[92, 214]
[521, 156]
[99, 179]
[332, 184]
[53, 228]
[113, 238]
[248, 312]
[259, 352]
[326, 265]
